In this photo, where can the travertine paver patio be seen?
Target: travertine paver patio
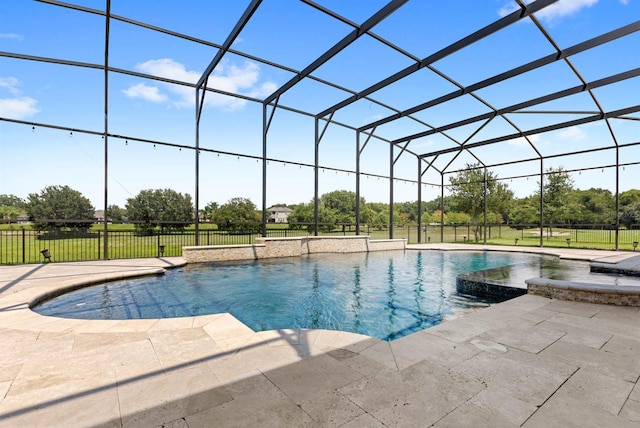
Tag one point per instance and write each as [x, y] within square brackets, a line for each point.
[531, 362]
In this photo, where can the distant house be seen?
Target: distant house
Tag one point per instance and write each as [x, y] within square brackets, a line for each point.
[279, 214]
[24, 219]
[98, 216]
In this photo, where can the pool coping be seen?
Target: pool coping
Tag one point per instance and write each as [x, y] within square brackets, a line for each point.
[64, 277]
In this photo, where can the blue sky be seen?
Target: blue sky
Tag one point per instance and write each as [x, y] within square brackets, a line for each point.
[294, 34]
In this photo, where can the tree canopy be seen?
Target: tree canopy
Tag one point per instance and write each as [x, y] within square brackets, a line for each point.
[337, 207]
[164, 208]
[629, 197]
[560, 202]
[169, 210]
[525, 211]
[596, 206]
[343, 205]
[238, 215]
[58, 208]
[301, 217]
[468, 191]
[208, 211]
[629, 207]
[11, 207]
[115, 213]
[630, 214]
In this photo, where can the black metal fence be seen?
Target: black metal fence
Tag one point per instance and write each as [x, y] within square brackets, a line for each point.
[21, 245]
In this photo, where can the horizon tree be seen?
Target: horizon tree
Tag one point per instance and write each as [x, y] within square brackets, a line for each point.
[115, 213]
[560, 201]
[468, 192]
[164, 208]
[208, 210]
[343, 204]
[238, 215]
[302, 217]
[11, 207]
[57, 208]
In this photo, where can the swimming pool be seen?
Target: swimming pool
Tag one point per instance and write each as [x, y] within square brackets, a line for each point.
[381, 294]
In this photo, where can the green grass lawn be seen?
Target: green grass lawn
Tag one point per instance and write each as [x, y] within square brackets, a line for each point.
[578, 238]
[20, 244]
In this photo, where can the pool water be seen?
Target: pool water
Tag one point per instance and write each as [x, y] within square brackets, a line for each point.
[382, 294]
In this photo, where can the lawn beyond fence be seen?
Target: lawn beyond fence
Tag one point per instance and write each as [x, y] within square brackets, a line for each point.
[26, 246]
[19, 246]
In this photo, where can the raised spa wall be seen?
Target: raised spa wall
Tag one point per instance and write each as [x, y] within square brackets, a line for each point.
[265, 248]
[606, 294]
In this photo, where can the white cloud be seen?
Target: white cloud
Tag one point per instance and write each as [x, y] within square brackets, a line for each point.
[10, 83]
[228, 77]
[556, 10]
[169, 69]
[12, 36]
[522, 141]
[145, 92]
[267, 88]
[18, 108]
[573, 134]
[508, 8]
[624, 2]
[564, 8]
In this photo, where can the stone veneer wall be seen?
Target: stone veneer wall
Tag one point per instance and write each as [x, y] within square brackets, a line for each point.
[622, 295]
[387, 244]
[289, 247]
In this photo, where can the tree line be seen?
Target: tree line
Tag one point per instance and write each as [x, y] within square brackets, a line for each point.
[63, 208]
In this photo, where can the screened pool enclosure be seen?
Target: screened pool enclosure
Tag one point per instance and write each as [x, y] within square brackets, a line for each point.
[285, 100]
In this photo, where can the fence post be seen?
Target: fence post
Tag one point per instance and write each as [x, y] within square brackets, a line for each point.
[23, 244]
[98, 245]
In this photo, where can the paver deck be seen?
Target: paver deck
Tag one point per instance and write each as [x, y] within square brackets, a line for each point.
[530, 361]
